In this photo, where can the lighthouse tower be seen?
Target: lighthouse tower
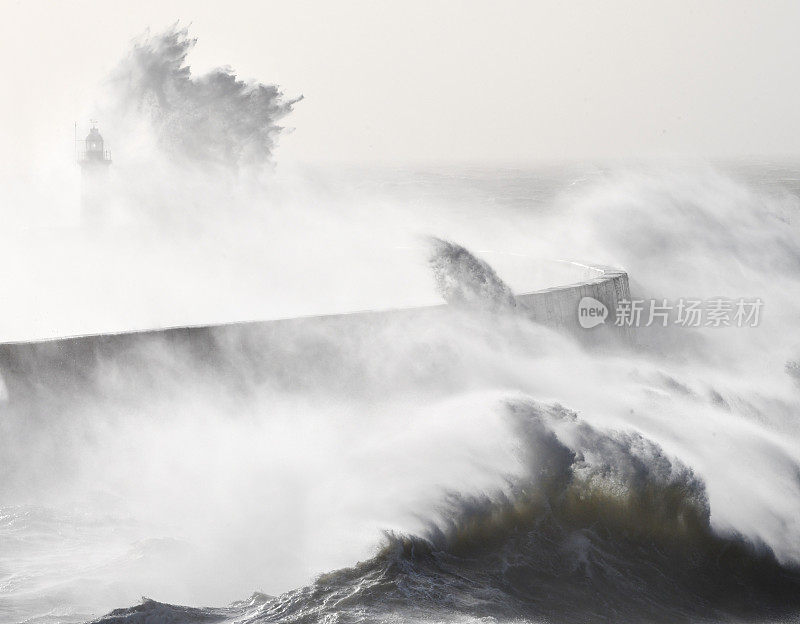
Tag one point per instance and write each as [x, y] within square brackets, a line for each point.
[94, 160]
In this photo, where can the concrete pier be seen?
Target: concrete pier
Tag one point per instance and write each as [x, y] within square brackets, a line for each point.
[68, 366]
[558, 306]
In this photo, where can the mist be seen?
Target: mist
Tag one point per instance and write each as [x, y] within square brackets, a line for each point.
[198, 468]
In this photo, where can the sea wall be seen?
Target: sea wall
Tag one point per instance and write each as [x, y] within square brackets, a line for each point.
[557, 307]
[70, 366]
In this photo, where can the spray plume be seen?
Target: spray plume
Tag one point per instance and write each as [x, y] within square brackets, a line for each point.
[214, 118]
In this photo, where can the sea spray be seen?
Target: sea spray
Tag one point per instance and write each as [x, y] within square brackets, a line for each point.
[213, 119]
[601, 525]
[462, 279]
[284, 465]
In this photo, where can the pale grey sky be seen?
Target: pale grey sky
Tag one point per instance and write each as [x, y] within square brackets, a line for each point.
[406, 81]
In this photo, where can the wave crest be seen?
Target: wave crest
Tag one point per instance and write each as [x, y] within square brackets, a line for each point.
[602, 526]
[465, 280]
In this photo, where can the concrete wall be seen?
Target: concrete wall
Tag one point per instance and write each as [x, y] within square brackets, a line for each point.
[46, 370]
[558, 307]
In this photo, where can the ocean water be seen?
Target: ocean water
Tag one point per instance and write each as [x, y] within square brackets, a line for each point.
[466, 467]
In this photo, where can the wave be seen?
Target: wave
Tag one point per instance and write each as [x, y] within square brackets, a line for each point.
[601, 526]
[464, 280]
[238, 125]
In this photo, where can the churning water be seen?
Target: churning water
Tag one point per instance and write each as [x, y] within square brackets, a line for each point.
[474, 464]
[462, 466]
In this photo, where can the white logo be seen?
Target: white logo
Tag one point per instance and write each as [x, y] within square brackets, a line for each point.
[591, 312]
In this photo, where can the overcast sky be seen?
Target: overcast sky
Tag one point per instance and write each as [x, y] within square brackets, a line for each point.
[445, 81]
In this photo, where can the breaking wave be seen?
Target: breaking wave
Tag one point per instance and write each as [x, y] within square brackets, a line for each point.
[602, 526]
[465, 280]
[213, 118]
[240, 457]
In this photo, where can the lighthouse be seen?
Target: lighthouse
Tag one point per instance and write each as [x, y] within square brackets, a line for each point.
[94, 160]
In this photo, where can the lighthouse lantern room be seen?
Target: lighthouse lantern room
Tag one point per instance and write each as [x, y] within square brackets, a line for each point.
[94, 152]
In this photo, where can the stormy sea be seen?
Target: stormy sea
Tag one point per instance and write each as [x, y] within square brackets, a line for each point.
[468, 465]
